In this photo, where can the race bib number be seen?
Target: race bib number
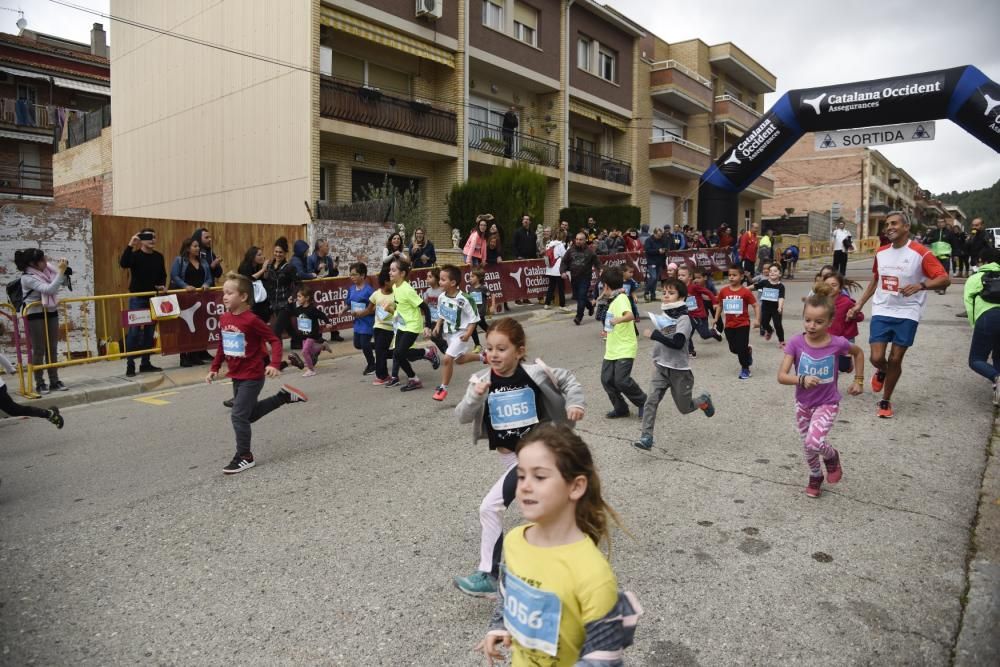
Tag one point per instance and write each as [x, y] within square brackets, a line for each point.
[662, 322]
[434, 313]
[890, 284]
[821, 368]
[608, 326]
[234, 344]
[477, 297]
[732, 305]
[532, 616]
[449, 313]
[691, 303]
[628, 288]
[513, 409]
[357, 305]
[398, 322]
[305, 324]
[381, 313]
[769, 294]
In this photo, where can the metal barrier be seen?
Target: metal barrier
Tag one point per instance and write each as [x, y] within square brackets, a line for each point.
[8, 312]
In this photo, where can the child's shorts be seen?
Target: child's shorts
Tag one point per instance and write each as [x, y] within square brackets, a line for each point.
[456, 346]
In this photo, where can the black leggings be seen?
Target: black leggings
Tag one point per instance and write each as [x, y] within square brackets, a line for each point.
[556, 287]
[739, 344]
[405, 353]
[382, 340]
[283, 323]
[8, 405]
[769, 313]
[509, 493]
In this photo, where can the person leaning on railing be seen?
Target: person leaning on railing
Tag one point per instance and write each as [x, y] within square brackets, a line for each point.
[40, 284]
[147, 275]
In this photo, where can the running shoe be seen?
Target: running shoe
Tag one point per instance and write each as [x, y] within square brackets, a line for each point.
[616, 415]
[745, 373]
[477, 349]
[645, 443]
[294, 395]
[368, 370]
[834, 472]
[566, 309]
[716, 335]
[432, 355]
[478, 585]
[815, 487]
[42, 388]
[576, 321]
[309, 374]
[55, 418]
[239, 464]
[228, 403]
[878, 380]
[885, 409]
[378, 382]
[296, 360]
[59, 386]
[149, 368]
[412, 384]
[391, 382]
[440, 394]
[704, 403]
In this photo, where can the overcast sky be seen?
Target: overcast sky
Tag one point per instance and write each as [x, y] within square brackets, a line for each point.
[804, 44]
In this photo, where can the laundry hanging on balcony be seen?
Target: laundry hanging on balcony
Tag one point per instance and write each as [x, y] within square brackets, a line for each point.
[24, 113]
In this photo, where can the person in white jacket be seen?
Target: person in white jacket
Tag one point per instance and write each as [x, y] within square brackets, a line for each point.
[553, 254]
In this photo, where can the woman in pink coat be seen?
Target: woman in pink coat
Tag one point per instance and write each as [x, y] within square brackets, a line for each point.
[475, 247]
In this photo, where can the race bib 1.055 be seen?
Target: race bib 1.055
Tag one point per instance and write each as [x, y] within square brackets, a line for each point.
[513, 409]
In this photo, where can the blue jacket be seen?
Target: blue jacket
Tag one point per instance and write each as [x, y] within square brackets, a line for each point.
[314, 263]
[653, 256]
[178, 268]
[299, 261]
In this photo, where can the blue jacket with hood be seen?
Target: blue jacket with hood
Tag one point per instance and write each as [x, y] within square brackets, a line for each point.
[299, 260]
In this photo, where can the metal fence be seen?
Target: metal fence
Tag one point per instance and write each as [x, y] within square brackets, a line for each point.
[23, 179]
[600, 166]
[514, 145]
[87, 126]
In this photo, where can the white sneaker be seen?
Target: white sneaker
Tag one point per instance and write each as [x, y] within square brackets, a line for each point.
[294, 395]
[308, 374]
[545, 307]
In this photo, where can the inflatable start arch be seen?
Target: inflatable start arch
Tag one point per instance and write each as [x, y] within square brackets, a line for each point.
[963, 94]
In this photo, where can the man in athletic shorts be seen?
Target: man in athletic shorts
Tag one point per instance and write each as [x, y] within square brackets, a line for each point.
[903, 271]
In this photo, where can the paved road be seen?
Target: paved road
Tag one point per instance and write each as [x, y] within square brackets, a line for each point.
[122, 542]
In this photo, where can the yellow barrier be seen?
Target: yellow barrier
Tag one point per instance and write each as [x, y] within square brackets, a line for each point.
[16, 336]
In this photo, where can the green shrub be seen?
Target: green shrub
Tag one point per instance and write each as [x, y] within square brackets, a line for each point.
[507, 193]
[608, 217]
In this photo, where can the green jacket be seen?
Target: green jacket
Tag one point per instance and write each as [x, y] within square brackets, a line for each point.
[973, 286]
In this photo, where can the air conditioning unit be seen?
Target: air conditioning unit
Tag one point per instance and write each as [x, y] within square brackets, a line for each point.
[431, 9]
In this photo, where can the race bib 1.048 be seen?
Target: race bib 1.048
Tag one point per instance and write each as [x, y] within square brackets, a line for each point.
[822, 368]
[234, 344]
[512, 409]
[532, 616]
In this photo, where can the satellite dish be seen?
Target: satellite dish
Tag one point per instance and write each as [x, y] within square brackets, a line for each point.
[21, 23]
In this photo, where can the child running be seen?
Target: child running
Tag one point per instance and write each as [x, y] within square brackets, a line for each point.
[411, 312]
[381, 302]
[307, 323]
[241, 345]
[559, 601]
[734, 303]
[772, 303]
[14, 409]
[699, 301]
[430, 297]
[485, 303]
[457, 320]
[359, 297]
[671, 366]
[841, 325]
[817, 399]
[503, 404]
[621, 348]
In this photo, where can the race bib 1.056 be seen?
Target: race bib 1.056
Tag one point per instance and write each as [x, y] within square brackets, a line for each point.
[532, 616]
[513, 409]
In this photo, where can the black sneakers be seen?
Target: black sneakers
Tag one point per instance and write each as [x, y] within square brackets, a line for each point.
[239, 464]
[228, 402]
[149, 368]
[55, 418]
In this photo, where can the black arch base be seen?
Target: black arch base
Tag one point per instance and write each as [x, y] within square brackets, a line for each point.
[963, 94]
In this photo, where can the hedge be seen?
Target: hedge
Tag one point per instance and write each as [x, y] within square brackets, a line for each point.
[607, 217]
[508, 193]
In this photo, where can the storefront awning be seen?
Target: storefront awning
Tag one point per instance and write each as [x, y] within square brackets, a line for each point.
[388, 37]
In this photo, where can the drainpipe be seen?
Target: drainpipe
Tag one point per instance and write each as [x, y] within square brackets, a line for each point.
[564, 167]
[465, 93]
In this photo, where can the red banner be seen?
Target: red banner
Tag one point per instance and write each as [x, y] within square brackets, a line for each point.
[198, 326]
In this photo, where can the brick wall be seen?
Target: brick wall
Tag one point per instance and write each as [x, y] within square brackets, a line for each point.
[355, 241]
[81, 175]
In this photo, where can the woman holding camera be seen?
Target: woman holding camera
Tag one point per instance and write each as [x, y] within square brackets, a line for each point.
[39, 285]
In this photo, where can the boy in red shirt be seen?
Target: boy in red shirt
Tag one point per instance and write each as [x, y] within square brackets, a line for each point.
[699, 302]
[735, 302]
[241, 343]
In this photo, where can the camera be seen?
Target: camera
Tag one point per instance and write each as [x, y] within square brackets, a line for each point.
[146, 236]
[69, 278]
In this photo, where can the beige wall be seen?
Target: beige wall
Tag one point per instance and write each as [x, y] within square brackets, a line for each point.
[205, 134]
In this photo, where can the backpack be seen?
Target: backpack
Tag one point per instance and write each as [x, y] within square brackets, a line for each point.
[990, 292]
[15, 294]
[550, 256]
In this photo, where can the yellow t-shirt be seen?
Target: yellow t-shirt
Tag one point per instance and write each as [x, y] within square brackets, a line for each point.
[408, 304]
[550, 594]
[382, 301]
[622, 342]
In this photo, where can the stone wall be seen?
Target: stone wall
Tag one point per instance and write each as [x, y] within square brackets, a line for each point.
[81, 175]
[353, 241]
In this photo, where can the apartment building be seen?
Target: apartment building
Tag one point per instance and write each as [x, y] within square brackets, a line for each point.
[47, 87]
[860, 184]
[344, 94]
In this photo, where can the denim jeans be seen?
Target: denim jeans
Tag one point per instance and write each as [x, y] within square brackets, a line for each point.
[652, 274]
[581, 290]
[139, 338]
[986, 342]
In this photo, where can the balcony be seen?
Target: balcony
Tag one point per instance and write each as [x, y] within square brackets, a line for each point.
[371, 107]
[516, 146]
[735, 114]
[740, 67]
[600, 166]
[761, 188]
[677, 157]
[20, 180]
[680, 88]
[23, 114]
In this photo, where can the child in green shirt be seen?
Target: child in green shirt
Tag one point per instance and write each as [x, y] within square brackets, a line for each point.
[621, 347]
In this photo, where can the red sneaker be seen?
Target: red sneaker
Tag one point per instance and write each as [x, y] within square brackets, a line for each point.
[885, 409]
[834, 472]
[814, 489]
[877, 381]
[440, 394]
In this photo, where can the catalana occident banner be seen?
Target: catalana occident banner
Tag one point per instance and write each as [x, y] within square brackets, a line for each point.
[198, 326]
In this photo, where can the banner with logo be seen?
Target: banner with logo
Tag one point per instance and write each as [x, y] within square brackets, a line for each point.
[197, 325]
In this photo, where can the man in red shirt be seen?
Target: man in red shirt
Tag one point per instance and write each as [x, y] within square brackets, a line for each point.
[748, 249]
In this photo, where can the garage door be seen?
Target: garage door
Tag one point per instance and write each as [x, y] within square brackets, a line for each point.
[661, 210]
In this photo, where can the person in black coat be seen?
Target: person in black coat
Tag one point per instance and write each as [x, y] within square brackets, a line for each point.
[509, 127]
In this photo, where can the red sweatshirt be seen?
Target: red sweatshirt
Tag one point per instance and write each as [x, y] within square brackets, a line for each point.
[700, 296]
[841, 326]
[241, 342]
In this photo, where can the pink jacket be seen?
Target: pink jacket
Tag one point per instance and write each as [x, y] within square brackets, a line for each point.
[475, 246]
[840, 325]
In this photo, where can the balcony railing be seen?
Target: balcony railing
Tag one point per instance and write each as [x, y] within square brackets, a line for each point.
[674, 64]
[600, 166]
[21, 112]
[514, 145]
[25, 180]
[729, 108]
[372, 107]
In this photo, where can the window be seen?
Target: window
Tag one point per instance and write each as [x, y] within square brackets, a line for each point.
[584, 47]
[525, 24]
[492, 15]
[606, 64]
[348, 68]
[586, 145]
[748, 217]
[664, 126]
[484, 110]
[371, 74]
